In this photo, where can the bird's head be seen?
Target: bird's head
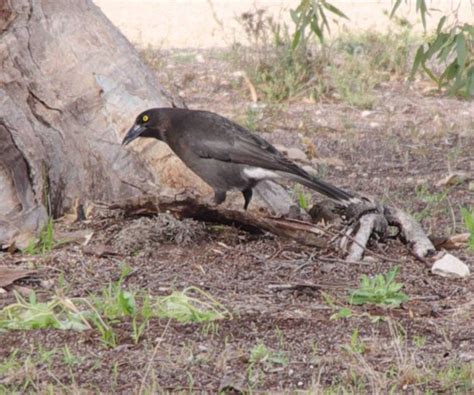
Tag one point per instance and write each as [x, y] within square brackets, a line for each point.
[150, 123]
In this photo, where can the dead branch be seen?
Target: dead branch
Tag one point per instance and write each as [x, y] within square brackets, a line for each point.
[366, 219]
[185, 206]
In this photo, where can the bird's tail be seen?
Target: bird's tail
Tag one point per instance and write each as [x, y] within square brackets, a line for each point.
[324, 188]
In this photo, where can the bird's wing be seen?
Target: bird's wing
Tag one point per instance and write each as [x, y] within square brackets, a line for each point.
[226, 141]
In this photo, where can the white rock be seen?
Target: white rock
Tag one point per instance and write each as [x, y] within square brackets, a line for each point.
[365, 114]
[450, 266]
[374, 125]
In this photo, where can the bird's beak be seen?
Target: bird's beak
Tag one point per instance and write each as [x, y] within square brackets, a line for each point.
[133, 133]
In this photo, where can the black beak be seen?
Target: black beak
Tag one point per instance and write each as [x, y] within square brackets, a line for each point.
[133, 133]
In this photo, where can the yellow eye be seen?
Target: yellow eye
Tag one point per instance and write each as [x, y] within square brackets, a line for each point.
[145, 118]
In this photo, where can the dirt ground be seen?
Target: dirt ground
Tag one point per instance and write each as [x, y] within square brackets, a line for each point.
[396, 152]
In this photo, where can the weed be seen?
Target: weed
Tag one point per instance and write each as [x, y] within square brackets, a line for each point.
[457, 377]
[45, 242]
[419, 341]
[468, 216]
[185, 308]
[251, 119]
[59, 313]
[210, 328]
[304, 199]
[344, 312]
[381, 290]
[69, 358]
[356, 345]
[114, 304]
[263, 359]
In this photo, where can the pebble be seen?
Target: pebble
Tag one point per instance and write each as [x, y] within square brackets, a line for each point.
[297, 154]
[450, 266]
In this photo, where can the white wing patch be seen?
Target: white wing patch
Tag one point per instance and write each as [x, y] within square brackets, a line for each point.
[258, 173]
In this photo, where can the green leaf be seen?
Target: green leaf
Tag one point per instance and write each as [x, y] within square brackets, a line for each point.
[419, 59]
[440, 24]
[323, 17]
[450, 72]
[127, 302]
[342, 313]
[421, 6]
[381, 290]
[435, 46]
[334, 10]
[296, 39]
[461, 50]
[316, 30]
[395, 7]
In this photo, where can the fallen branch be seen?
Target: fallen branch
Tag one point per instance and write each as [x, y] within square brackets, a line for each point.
[185, 206]
[366, 219]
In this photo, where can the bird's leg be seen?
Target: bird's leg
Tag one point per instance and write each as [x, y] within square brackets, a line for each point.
[219, 197]
[247, 196]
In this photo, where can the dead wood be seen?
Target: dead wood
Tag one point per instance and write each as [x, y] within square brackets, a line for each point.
[362, 226]
[186, 206]
[8, 275]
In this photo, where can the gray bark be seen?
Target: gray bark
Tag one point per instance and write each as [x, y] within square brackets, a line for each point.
[70, 85]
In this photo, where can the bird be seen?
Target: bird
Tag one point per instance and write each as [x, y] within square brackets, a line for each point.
[224, 154]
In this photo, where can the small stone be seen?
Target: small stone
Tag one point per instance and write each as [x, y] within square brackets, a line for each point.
[366, 113]
[374, 125]
[296, 154]
[199, 58]
[471, 186]
[450, 266]
[311, 170]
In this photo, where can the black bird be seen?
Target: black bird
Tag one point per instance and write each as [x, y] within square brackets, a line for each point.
[225, 155]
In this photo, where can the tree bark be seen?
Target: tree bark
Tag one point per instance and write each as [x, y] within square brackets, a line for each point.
[70, 84]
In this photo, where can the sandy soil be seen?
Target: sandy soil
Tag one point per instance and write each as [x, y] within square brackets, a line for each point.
[212, 23]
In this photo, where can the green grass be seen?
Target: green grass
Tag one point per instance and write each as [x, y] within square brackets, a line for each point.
[45, 242]
[380, 290]
[356, 345]
[110, 307]
[468, 217]
[28, 314]
[262, 360]
[184, 307]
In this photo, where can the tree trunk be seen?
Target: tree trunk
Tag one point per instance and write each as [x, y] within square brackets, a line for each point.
[70, 85]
